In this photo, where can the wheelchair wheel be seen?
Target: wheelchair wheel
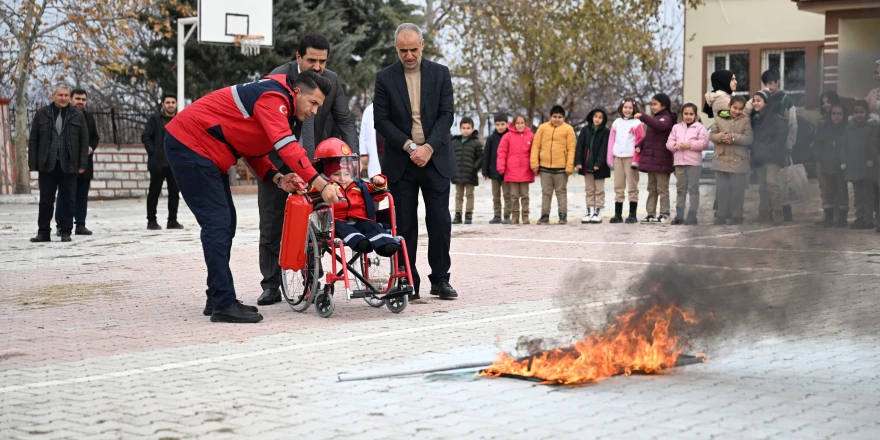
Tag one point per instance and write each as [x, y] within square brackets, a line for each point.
[372, 301]
[324, 303]
[396, 305]
[298, 286]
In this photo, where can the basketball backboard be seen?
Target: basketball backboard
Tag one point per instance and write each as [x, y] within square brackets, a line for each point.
[220, 21]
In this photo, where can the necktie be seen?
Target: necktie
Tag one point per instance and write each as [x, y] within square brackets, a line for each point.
[59, 122]
[308, 136]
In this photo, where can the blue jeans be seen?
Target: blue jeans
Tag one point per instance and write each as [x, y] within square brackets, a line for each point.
[206, 191]
[82, 202]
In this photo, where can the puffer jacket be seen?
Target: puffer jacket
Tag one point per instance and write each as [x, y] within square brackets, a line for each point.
[490, 155]
[768, 142]
[655, 157]
[857, 157]
[719, 100]
[734, 157]
[828, 144]
[554, 148]
[592, 147]
[514, 156]
[469, 157]
[696, 136]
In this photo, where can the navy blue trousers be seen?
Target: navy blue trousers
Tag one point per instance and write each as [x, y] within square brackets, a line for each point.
[82, 202]
[206, 191]
[365, 236]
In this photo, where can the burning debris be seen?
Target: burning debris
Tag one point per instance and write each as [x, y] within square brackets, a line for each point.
[642, 340]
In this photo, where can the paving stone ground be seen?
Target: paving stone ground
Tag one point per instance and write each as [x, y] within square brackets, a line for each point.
[103, 337]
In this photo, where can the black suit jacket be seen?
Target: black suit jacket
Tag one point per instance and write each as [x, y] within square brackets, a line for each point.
[392, 116]
[333, 115]
[94, 139]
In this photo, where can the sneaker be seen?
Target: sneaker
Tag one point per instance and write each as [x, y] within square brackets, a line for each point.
[269, 297]
[545, 218]
[443, 290]
[237, 313]
[209, 308]
[661, 219]
[596, 217]
[173, 224]
[563, 219]
[649, 219]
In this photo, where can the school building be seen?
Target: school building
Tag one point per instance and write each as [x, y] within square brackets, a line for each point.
[816, 45]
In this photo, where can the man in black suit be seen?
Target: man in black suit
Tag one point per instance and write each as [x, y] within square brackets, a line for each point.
[413, 109]
[83, 183]
[333, 116]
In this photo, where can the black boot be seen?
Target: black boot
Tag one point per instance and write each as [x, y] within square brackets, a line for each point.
[82, 230]
[457, 219]
[153, 225]
[679, 217]
[618, 213]
[42, 238]
[829, 218]
[786, 213]
[237, 313]
[506, 219]
[173, 224]
[691, 219]
[633, 206]
[495, 220]
[468, 218]
[840, 221]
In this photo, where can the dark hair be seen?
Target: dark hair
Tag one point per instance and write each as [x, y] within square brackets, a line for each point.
[692, 106]
[501, 117]
[168, 95]
[557, 110]
[770, 76]
[863, 104]
[308, 81]
[738, 98]
[466, 120]
[631, 101]
[315, 41]
[841, 107]
[78, 92]
[663, 99]
[525, 120]
[769, 103]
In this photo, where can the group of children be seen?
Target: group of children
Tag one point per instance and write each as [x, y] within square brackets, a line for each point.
[756, 133]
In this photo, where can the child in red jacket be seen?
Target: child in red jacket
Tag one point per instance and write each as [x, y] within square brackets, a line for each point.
[353, 218]
[513, 162]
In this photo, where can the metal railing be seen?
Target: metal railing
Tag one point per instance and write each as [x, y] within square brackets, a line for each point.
[114, 127]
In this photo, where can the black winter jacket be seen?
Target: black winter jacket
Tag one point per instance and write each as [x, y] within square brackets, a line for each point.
[154, 142]
[490, 156]
[857, 154]
[828, 145]
[599, 151]
[770, 132]
[94, 139]
[468, 157]
[75, 131]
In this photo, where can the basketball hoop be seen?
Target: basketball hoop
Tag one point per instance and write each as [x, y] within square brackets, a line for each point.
[250, 44]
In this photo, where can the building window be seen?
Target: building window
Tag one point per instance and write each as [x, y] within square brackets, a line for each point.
[791, 65]
[736, 62]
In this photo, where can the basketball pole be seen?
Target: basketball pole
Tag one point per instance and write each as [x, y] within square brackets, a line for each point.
[181, 46]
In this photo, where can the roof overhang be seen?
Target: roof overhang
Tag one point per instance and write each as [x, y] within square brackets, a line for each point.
[822, 6]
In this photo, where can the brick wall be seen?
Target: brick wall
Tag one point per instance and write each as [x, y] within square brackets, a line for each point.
[118, 172]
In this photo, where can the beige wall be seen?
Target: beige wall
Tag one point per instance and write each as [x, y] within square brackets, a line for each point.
[859, 44]
[750, 22]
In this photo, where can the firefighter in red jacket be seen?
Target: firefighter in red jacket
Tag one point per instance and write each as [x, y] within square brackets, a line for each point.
[206, 139]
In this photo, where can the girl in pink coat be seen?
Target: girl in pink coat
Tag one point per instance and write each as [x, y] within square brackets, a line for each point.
[686, 142]
[514, 157]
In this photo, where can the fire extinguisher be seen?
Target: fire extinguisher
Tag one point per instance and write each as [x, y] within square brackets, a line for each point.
[294, 235]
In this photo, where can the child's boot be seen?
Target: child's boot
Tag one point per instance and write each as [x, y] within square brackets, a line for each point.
[589, 217]
[457, 219]
[506, 220]
[514, 219]
[829, 218]
[841, 218]
[468, 218]
[563, 219]
[691, 219]
[495, 220]
[633, 206]
[596, 218]
[618, 213]
[525, 218]
[679, 216]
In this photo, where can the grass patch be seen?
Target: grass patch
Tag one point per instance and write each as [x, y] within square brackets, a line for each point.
[63, 294]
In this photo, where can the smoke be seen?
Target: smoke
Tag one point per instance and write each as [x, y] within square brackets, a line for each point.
[776, 284]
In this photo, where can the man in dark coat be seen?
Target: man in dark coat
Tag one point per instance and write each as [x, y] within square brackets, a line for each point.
[58, 148]
[332, 120]
[469, 159]
[413, 109]
[84, 181]
[590, 161]
[490, 171]
[153, 138]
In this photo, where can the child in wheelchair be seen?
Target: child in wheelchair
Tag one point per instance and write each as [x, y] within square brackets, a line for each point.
[354, 217]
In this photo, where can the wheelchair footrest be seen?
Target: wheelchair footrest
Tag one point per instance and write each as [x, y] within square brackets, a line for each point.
[397, 292]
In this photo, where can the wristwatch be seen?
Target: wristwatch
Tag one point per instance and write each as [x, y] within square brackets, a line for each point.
[279, 180]
[413, 146]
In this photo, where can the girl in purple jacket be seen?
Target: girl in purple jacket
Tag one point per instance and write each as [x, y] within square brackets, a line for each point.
[656, 160]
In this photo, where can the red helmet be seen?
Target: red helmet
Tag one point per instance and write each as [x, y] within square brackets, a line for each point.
[333, 148]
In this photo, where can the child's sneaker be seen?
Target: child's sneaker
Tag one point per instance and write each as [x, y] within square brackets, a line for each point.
[545, 218]
[661, 219]
[563, 219]
[649, 219]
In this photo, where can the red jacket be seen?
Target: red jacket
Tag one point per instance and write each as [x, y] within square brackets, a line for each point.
[355, 205]
[514, 156]
[248, 121]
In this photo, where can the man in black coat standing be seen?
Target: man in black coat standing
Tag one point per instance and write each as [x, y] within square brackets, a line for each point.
[84, 181]
[58, 148]
[153, 139]
[413, 109]
[333, 117]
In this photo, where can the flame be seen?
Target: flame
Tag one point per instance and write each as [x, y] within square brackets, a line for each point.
[643, 341]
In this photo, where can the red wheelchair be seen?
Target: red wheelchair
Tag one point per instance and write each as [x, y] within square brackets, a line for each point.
[310, 246]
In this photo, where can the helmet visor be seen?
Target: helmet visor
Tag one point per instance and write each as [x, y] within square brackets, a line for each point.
[342, 170]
